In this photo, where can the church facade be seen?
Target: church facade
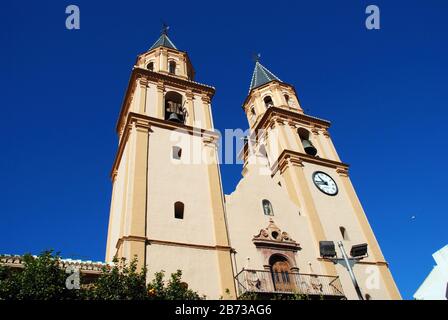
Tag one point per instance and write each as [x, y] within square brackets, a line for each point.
[168, 208]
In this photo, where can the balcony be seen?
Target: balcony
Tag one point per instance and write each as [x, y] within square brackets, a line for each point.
[266, 282]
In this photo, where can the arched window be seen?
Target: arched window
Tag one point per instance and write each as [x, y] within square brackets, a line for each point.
[344, 233]
[267, 208]
[268, 102]
[252, 111]
[150, 66]
[172, 67]
[307, 145]
[174, 110]
[179, 210]
[289, 101]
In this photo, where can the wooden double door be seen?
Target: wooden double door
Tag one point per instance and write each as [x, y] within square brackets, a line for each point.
[281, 275]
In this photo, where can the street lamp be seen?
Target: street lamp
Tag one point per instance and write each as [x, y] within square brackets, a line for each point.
[357, 252]
[327, 249]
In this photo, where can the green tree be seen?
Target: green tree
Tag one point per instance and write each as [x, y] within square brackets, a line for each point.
[40, 279]
[173, 289]
[119, 282]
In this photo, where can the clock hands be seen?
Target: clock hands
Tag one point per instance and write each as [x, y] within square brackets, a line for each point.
[321, 181]
[325, 183]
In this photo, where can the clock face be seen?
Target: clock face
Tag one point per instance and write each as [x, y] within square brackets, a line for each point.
[325, 183]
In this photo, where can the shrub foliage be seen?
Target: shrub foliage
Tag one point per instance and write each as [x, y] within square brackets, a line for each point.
[42, 278]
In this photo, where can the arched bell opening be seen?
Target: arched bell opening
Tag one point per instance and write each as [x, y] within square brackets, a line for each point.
[268, 102]
[174, 110]
[172, 67]
[306, 142]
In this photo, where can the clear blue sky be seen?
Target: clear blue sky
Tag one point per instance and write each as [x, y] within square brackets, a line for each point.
[384, 91]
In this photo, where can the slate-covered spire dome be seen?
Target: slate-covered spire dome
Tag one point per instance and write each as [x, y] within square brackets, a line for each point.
[261, 76]
[164, 41]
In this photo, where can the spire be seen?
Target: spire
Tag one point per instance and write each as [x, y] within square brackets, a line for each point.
[164, 41]
[261, 75]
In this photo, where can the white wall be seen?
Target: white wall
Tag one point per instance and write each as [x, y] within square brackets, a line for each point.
[435, 286]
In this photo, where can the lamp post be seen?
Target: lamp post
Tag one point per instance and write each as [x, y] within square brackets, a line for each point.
[350, 270]
[358, 252]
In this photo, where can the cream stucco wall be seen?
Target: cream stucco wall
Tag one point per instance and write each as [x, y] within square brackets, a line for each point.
[199, 267]
[246, 218]
[171, 180]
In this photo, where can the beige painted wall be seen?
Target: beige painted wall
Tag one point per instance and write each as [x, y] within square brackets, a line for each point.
[199, 267]
[170, 181]
[246, 218]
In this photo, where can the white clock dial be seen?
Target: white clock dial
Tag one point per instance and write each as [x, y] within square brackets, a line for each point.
[325, 183]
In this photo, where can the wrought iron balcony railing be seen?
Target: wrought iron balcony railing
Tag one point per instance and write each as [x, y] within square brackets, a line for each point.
[262, 281]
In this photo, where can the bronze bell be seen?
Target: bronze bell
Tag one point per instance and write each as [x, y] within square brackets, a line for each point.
[174, 117]
[309, 148]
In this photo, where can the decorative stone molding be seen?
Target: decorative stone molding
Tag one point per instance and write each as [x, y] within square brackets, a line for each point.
[342, 172]
[114, 174]
[206, 99]
[273, 237]
[189, 94]
[287, 162]
[143, 81]
[210, 141]
[140, 124]
[160, 86]
[272, 241]
[289, 157]
[290, 116]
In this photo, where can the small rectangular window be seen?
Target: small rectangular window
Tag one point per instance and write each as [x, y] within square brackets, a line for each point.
[177, 152]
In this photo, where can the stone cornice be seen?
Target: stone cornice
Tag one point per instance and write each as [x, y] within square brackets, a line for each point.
[289, 116]
[289, 157]
[149, 241]
[158, 78]
[144, 123]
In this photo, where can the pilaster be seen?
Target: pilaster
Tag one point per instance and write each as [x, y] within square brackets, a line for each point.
[219, 221]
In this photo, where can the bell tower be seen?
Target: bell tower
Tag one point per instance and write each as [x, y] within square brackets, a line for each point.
[167, 204]
[301, 158]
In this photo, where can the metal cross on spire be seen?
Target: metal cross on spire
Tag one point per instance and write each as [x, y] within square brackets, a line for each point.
[256, 57]
[165, 28]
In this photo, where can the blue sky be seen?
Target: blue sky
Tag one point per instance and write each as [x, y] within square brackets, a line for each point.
[385, 92]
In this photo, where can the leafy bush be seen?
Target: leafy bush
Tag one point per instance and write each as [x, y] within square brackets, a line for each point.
[42, 278]
[174, 289]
